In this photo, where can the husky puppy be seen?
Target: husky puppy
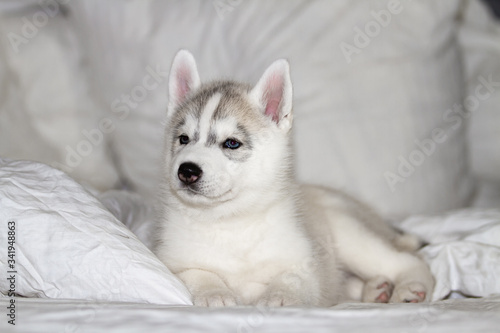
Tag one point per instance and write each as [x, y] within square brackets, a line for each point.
[238, 230]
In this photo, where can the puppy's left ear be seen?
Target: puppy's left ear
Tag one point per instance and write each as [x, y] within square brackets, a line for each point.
[273, 94]
[183, 79]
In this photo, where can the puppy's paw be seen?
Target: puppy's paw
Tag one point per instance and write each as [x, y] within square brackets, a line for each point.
[215, 298]
[278, 297]
[410, 292]
[378, 290]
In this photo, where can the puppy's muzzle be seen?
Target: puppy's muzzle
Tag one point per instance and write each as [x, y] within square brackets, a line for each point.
[189, 173]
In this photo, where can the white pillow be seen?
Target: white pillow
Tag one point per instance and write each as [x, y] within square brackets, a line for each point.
[134, 212]
[67, 245]
[371, 107]
[480, 39]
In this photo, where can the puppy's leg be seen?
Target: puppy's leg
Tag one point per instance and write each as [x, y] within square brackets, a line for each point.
[352, 289]
[291, 288]
[377, 290]
[411, 289]
[207, 288]
[367, 255]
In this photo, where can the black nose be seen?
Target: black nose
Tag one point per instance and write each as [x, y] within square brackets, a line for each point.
[189, 173]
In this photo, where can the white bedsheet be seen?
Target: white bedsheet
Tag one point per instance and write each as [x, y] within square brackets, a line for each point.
[451, 316]
[90, 273]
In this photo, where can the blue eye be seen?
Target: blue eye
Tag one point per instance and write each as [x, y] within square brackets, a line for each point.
[232, 144]
[183, 139]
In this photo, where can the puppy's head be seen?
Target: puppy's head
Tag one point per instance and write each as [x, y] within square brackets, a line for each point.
[226, 140]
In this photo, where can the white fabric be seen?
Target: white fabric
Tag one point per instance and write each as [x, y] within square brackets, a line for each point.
[355, 121]
[487, 195]
[45, 110]
[69, 246]
[452, 316]
[132, 211]
[464, 251]
[480, 40]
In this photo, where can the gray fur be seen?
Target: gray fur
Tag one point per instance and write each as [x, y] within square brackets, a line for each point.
[233, 104]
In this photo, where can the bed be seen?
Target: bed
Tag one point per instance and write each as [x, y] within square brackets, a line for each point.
[403, 96]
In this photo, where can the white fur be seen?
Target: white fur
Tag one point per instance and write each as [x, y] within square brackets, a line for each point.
[206, 116]
[250, 235]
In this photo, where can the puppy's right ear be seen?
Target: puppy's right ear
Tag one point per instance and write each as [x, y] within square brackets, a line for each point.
[183, 79]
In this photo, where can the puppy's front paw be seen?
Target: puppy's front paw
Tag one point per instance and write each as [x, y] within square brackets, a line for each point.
[277, 298]
[411, 292]
[215, 298]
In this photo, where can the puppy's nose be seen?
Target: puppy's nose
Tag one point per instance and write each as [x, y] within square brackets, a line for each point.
[189, 173]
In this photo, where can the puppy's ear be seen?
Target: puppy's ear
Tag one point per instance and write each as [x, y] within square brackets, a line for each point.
[273, 94]
[183, 79]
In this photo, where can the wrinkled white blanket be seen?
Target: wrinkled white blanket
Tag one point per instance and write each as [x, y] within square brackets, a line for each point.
[463, 250]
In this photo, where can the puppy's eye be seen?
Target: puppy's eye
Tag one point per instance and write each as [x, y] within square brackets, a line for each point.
[183, 139]
[232, 144]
